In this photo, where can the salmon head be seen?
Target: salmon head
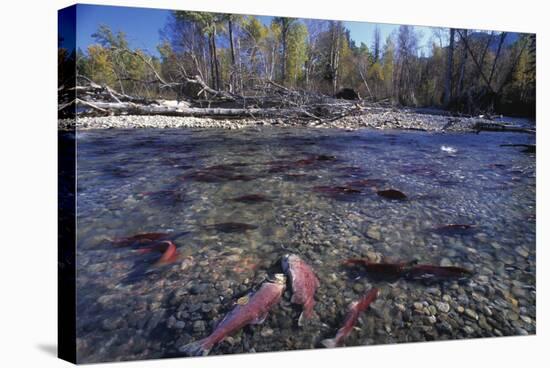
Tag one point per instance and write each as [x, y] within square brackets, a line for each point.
[287, 260]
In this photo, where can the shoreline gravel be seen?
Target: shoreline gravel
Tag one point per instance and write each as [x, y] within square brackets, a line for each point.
[376, 119]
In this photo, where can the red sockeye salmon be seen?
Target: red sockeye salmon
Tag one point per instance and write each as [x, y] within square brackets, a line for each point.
[355, 309]
[304, 284]
[251, 309]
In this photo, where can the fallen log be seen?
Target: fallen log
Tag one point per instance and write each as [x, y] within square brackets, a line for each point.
[129, 108]
[78, 101]
[528, 148]
[278, 101]
[497, 127]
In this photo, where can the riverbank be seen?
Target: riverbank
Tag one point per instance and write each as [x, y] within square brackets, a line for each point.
[377, 118]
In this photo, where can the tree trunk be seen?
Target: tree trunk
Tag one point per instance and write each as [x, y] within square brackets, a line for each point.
[478, 66]
[231, 43]
[232, 47]
[240, 66]
[509, 76]
[449, 74]
[306, 75]
[138, 109]
[501, 41]
[212, 62]
[376, 47]
[283, 62]
[216, 63]
[272, 64]
[482, 59]
[460, 84]
[336, 67]
[335, 56]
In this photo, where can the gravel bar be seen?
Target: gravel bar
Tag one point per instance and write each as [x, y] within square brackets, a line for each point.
[377, 119]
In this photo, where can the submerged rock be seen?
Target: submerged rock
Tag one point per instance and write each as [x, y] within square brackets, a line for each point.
[455, 229]
[199, 326]
[231, 227]
[443, 307]
[392, 194]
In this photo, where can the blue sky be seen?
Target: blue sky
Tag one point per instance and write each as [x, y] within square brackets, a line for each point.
[364, 32]
[142, 26]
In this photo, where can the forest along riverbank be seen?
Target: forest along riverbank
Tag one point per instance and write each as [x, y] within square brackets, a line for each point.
[376, 118]
[236, 201]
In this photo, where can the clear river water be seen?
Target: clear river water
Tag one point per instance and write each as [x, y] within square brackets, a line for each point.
[236, 201]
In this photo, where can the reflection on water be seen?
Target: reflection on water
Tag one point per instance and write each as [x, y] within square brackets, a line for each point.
[239, 200]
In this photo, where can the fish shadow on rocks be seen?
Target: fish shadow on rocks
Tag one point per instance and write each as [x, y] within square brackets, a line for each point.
[339, 192]
[251, 199]
[275, 266]
[428, 197]
[144, 268]
[166, 198]
[110, 244]
[117, 172]
[230, 227]
[299, 177]
[358, 273]
[437, 281]
[460, 229]
[139, 272]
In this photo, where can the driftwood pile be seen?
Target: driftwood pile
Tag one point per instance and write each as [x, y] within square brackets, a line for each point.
[270, 100]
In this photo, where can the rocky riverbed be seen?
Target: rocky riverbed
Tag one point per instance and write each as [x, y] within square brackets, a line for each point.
[194, 182]
[376, 118]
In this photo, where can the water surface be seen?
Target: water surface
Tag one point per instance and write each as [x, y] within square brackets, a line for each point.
[240, 199]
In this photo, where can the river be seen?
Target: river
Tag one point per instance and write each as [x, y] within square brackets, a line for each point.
[239, 200]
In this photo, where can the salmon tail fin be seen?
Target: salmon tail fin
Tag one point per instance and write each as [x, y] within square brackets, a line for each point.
[306, 316]
[302, 320]
[167, 260]
[329, 343]
[196, 348]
